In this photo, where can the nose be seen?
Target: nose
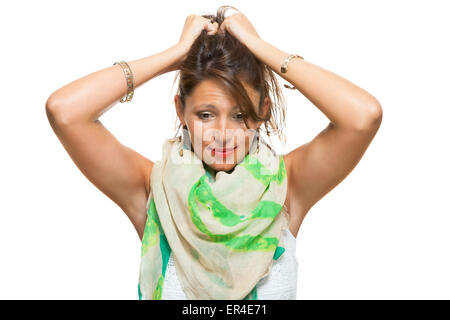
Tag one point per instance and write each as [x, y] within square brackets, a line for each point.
[225, 139]
[226, 135]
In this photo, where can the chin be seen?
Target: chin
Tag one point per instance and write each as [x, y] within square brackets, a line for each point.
[223, 167]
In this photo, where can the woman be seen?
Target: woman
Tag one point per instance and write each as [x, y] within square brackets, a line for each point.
[219, 213]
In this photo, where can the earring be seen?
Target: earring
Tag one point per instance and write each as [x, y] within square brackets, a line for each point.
[254, 147]
[259, 142]
[180, 146]
[185, 141]
[186, 138]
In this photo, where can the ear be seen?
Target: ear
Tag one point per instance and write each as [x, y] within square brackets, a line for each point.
[179, 109]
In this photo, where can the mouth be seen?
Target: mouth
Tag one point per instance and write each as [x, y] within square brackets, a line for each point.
[223, 152]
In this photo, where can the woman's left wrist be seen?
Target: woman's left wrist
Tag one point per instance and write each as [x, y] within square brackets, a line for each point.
[254, 42]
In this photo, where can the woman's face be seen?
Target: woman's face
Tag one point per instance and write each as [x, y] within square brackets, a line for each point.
[216, 126]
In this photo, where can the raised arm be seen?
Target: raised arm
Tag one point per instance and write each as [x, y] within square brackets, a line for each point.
[119, 172]
[318, 166]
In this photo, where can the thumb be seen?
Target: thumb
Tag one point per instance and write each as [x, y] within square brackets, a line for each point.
[212, 28]
[222, 28]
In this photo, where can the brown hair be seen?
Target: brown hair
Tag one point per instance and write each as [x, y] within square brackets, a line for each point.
[223, 57]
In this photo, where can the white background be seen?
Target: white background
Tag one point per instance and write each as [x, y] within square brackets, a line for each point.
[383, 233]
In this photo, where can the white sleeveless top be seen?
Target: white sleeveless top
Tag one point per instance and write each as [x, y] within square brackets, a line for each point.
[279, 284]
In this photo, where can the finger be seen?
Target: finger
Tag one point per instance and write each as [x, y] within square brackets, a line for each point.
[212, 28]
[222, 28]
[207, 25]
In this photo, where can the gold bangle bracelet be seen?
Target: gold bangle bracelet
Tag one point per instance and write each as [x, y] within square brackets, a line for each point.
[129, 79]
[284, 66]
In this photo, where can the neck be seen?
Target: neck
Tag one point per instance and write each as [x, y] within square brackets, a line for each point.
[209, 169]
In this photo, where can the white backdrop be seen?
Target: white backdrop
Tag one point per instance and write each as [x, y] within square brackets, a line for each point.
[380, 234]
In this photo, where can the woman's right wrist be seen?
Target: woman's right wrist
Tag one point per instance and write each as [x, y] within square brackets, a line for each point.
[178, 53]
[149, 67]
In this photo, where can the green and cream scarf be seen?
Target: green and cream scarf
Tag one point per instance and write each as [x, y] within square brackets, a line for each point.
[224, 232]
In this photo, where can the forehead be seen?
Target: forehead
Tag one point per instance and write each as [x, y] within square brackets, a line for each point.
[213, 92]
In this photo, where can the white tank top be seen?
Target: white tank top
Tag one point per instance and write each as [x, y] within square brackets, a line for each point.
[279, 284]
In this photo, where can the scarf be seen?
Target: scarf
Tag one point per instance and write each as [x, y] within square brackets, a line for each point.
[224, 231]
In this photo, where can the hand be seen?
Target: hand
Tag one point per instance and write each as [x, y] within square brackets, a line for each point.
[193, 26]
[239, 26]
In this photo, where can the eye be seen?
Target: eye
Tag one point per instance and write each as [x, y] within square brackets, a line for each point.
[201, 114]
[240, 116]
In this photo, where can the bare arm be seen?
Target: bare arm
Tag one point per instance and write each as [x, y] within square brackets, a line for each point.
[87, 98]
[318, 166]
[73, 111]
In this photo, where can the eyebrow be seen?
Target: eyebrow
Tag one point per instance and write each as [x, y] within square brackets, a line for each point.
[207, 105]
